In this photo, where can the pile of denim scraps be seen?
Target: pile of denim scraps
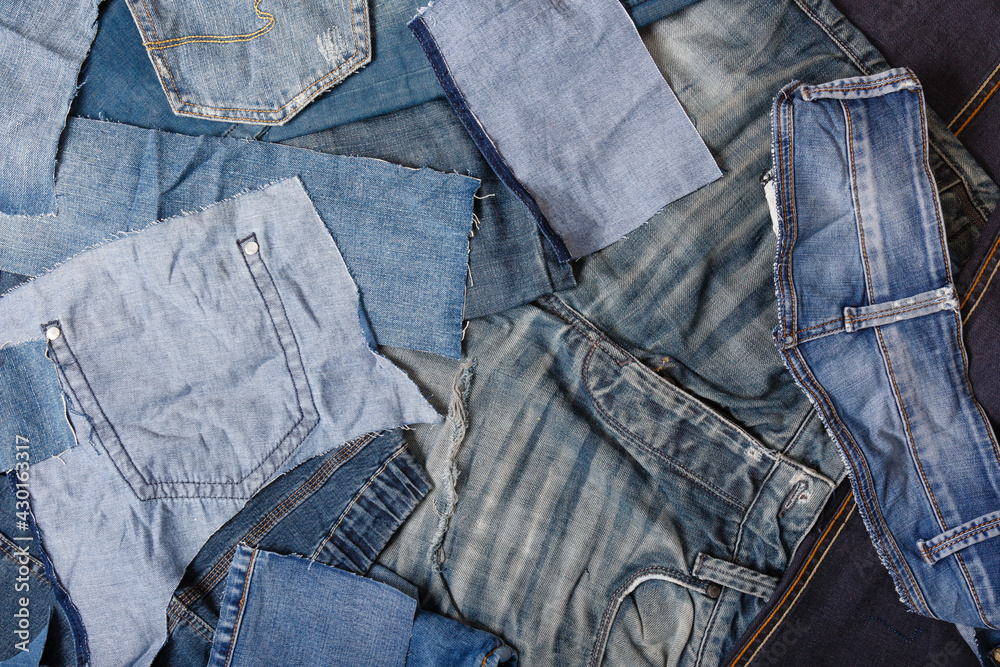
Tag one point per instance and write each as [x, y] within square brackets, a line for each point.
[376, 334]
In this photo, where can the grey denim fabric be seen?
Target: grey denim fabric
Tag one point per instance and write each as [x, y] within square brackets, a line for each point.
[569, 110]
[200, 358]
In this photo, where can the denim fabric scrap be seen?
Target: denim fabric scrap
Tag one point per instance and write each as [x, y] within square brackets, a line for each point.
[870, 328]
[231, 61]
[269, 617]
[403, 232]
[569, 110]
[200, 358]
[41, 51]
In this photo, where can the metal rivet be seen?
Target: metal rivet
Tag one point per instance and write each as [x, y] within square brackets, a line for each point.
[713, 591]
[996, 655]
[251, 247]
[52, 333]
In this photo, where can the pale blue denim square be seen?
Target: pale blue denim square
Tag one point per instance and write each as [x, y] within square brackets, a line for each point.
[403, 232]
[200, 358]
[569, 109]
[870, 327]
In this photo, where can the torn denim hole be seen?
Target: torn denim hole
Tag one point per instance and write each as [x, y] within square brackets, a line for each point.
[459, 421]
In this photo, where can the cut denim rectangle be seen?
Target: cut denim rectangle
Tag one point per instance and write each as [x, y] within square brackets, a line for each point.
[237, 61]
[569, 110]
[41, 50]
[403, 232]
[200, 358]
[870, 328]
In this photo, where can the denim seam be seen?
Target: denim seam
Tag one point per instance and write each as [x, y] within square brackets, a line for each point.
[851, 166]
[322, 85]
[986, 99]
[873, 85]
[357, 496]
[853, 56]
[36, 566]
[919, 305]
[884, 537]
[237, 623]
[982, 208]
[478, 133]
[614, 605]
[958, 537]
[300, 494]
[994, 259]
[974, 591]
[706, 567]
[193, 620]
[218, 39]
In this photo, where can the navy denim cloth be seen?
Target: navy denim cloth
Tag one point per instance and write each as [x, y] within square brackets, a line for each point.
[398, 77]
[339, 509]
[403, 232]
[836, 605]
[269, 617]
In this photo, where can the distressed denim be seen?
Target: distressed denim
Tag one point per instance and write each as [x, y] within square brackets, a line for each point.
[403, 232]
[870, 328]
[233, 62]
[569, 110]
[41, 51]
[200, 358]
[398, 76]
[579, 479]
[268, 617]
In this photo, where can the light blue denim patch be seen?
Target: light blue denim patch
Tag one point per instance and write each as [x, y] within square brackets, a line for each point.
[569, 110]
[200, 358]
[237, 61]
[870, 328]
[403, 232]
[41, 50]
[268, 616]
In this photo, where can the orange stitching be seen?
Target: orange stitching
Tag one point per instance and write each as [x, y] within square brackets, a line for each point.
[931, 181]
[972, 99]
[487, 656]
[977, 109]
[968, 384]
[857, 201]
[833, 413]
[239, 607]
[817, 326]
[896, 311]
[909, 432]
[982, 292]
[968, 532]
[217, 39]
[867, 86]
[972, 588]
[791, 588]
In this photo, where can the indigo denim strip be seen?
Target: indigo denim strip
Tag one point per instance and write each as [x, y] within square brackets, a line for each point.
[869, 326]
[340, 509]
[200, 358]
[275, 59]
[509, 261]
[41, 51]
[398, 77]
[569, 110]
[403, 232]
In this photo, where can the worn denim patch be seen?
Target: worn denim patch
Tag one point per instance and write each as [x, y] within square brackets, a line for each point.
[569, 110]
[403, 232]
[41, 51]
[237, 61]
[200, 358]
[870, 328]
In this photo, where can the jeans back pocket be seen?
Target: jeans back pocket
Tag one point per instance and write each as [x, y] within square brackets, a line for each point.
[189, 374]
[252, 62]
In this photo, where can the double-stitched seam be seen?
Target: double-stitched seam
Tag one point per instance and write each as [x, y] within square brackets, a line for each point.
[789, 170]
[648, 448]
[817, 326]
[822, 400]
[237, 623]
[851, 54]
[958, 537]
[611, 610]
[252, 537]
[793, 588]
[357, 496]
[992, 259]
[861, 86]
[975, 593]
[487, 656]
[897, 311]
[909, 433]
[217, 39]
[930, 181]
[989, 79]
[968, 385]
[176, 613]
[305, 90]
[13, 551]
[852, 167]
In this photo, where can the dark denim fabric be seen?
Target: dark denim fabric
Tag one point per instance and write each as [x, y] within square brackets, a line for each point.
[339, 509]
[836, 606]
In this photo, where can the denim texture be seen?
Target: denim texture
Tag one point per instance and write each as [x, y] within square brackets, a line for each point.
[340, 509]
[403, 232]
[207, 336]
[46, 45]
[563, 492]
[569, 110]
[398, 77]
[509, 261]
[869, 326]
[836, 605]
[233, 62]
[269, 617]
